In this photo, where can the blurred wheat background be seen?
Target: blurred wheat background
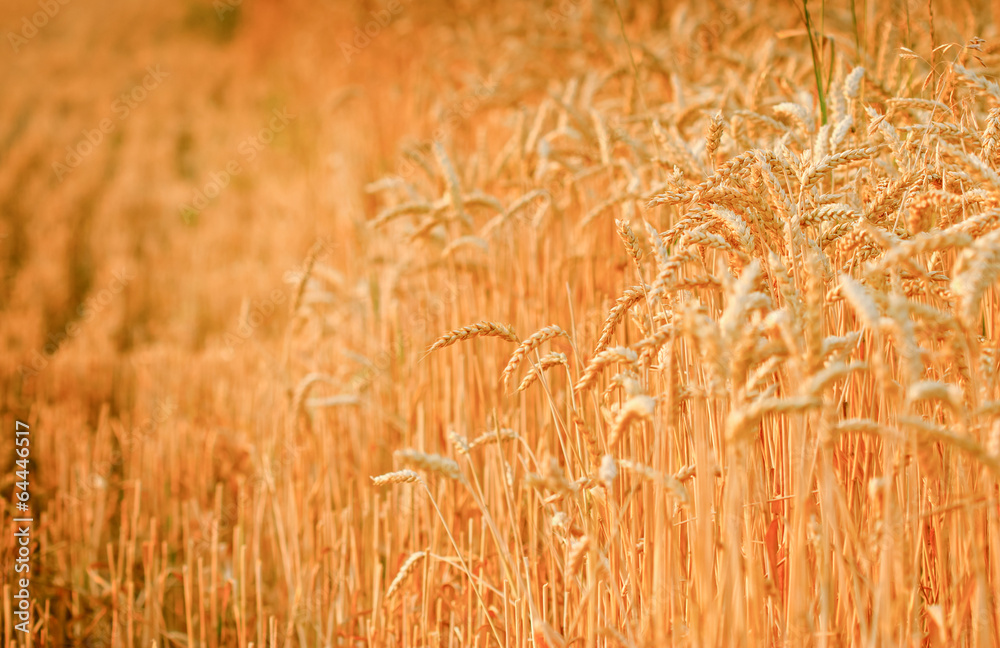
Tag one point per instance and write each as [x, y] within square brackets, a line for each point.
[520, 324]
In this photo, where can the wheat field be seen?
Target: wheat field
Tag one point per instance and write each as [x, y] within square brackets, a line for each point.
[564, 324]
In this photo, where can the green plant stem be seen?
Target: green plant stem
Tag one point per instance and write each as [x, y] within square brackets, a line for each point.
[817, 65]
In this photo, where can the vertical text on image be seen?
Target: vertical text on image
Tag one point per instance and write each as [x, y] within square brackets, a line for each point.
[22, 535]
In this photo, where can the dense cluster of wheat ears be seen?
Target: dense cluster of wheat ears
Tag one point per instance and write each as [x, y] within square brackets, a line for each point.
[818, 309]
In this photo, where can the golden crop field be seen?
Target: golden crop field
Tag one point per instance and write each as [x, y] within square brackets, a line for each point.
[558, 324]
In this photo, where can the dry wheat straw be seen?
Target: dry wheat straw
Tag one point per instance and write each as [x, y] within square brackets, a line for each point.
[874, 316]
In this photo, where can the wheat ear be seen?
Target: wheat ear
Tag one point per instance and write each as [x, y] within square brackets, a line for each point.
[405, 476]
[547, 362]
[479, 329]
[404, 573]
[526, 347]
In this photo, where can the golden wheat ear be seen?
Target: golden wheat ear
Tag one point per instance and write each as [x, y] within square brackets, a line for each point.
[484, 328]
[547, 333]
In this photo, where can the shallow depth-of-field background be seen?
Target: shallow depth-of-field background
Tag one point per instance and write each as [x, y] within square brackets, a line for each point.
[657, 325]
